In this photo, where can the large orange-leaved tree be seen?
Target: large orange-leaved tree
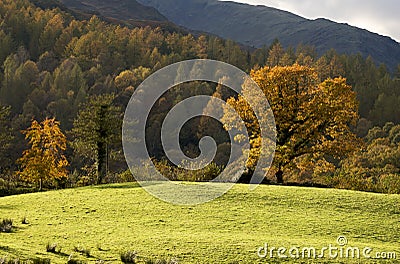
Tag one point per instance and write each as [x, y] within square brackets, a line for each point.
[312, 118]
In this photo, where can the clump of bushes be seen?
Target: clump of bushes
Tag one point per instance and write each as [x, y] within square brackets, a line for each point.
[178, 173]
[125, 176]
[6, 226]
[389, 183]
[129, 257]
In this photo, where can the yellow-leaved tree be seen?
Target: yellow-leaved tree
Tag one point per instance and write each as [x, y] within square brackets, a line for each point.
[44, 160]
[312, 118]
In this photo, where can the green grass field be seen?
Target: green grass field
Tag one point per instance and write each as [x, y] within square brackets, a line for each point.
[111, 219]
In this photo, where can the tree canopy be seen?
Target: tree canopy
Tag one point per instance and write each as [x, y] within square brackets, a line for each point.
[44, 161]
[312, 119]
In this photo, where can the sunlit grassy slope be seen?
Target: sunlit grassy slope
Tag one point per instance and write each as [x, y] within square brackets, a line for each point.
[111, 219]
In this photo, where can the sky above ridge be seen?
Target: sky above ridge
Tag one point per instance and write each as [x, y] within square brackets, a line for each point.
[381, 17]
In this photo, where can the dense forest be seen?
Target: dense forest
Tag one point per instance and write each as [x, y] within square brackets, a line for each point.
[82, 73]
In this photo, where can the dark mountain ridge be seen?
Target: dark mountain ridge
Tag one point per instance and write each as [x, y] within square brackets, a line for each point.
[117, 9]
[127, 13]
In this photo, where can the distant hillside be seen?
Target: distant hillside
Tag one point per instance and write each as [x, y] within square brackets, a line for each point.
[118, 9]
[50, 4]
[129, 13]
[260, 25]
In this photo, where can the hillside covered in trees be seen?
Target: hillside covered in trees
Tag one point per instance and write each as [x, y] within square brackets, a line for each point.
[259, 25]
[82, 72]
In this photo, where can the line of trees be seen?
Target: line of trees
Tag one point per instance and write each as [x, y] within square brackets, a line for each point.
[80, 74]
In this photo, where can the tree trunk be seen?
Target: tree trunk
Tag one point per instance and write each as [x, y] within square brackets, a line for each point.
[246, 176]
[101, 160]
[279, 176]
[102, 146]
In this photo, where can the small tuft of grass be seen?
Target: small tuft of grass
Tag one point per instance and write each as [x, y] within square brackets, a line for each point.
[6, 226]
[72, 260]
[24, 221]
[129, 257]
[83, 251]
[51, 248]
[40, 261]
[4, 260]
[162, 261]
[100, 248]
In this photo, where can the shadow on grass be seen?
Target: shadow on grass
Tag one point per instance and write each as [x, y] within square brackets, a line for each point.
[8, 207]
[9, 250]
[5, 248]
[303, 184]
[16, 191]
[59, 253]
[131, 185]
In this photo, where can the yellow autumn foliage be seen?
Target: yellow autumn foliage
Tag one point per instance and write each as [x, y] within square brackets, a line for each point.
[44, 160]
[312, 118]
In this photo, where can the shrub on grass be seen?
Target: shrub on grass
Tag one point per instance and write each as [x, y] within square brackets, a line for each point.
[390, 183]
[129, 257]
[6, 226]
[178, 173]
[167, 170]
[207, 173]
[126, 176]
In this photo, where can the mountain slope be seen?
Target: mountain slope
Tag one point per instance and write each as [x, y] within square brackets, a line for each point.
[117, 9]
[260, 25]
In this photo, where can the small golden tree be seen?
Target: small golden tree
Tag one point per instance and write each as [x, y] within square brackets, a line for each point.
[44, 160]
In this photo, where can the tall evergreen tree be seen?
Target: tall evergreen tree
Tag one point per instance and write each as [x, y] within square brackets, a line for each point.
[96, 131]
